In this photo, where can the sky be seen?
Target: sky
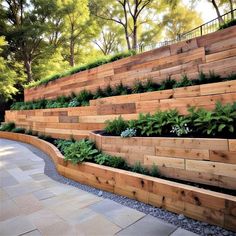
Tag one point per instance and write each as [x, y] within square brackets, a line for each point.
[205, 9]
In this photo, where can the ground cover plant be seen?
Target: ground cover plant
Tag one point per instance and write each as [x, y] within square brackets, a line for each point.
[83, 98]
[199, 122]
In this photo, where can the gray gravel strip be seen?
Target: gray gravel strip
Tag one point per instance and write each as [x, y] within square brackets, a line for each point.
[172, 218]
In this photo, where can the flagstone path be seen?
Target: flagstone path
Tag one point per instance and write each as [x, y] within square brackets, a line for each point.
[33, 204]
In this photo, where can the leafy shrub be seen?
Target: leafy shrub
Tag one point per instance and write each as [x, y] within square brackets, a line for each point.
[154, 171]
[120, 89]
[63, 144]
[108, 91]
[18, 130]
[138, 168]
[129, 132]
[180, 126]
[116, 126]
[112, 161]
[167, 84]
[29, 132]
[184, 82]
[228, 24]
[150, 86]
[221, 120]
[138, 87]
[80, 151]
[99, 94]
[7, 126]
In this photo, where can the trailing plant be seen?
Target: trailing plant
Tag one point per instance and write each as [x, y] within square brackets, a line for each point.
[116, 126]
[80, 151]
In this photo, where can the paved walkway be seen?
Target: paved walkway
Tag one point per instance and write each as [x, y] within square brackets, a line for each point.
[33, 204]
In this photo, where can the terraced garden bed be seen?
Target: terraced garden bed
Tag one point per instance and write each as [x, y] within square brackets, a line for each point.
[205, 205]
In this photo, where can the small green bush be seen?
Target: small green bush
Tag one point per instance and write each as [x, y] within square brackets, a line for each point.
[80, 151]
[112, 161]
[184, 82]
[7, 126]
[116, 126]
[62, 144]
[18, 130]
[138, 168]
[154, 172]
[228, 24]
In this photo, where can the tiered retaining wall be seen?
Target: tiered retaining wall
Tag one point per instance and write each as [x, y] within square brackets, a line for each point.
[213, 52]
[78, 121]
[200, 160]
[200, 204]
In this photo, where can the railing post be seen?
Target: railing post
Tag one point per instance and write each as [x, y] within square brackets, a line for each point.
[201, 30]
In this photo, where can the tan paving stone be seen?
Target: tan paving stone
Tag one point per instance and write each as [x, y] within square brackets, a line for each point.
[97, 225]
[28, 204]
[8, 209]
[16, 226]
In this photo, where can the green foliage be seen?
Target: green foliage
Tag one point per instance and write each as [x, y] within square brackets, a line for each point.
[129, 132]
[167, 84]
[18, 130]
[116, 126]
[7, 126]
[154, 171]
[80, 151]
[184, 82]
[82, 99]
[62, 144]
[157, 124]
[138, 87]
[150, 86]
[29, 132]
[220, 120]
[138, 168]
[228, 24]
[121, 89]
[112, 161]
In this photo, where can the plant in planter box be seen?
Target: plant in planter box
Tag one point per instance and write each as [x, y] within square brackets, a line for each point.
[180, 126]
[7, 126]
[80, 151]
[116, 126]
[129, 132]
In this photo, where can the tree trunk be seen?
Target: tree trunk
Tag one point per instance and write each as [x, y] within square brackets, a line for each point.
[72, 52]
[134, 46]
[231, 9]
[28, 70]
[221, 21]
[127, 38]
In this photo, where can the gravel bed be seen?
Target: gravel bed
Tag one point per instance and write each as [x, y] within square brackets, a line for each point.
[172, 218]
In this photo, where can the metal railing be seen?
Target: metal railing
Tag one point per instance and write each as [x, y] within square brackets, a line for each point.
[206, 28]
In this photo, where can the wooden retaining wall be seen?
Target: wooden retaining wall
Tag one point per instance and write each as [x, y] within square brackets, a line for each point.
[78, 121]
[213, 52]
[204, 205]
[200, 160]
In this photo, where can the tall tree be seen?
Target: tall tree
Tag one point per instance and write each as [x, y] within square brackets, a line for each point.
[25, 24]
[180, 20]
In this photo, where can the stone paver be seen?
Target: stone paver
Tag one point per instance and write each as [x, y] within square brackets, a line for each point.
[32, 204]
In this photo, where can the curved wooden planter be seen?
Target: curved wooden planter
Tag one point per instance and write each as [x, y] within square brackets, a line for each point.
[208, 161]
[212, 207]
